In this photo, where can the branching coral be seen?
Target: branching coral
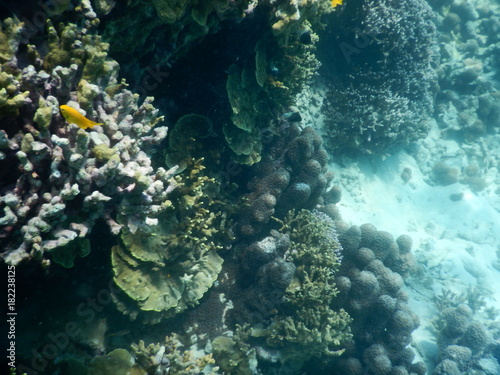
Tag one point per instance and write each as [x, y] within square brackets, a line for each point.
[60, 178]
[382, 75]
[306, 324]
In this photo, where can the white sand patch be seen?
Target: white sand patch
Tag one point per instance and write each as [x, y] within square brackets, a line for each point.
[455, 242]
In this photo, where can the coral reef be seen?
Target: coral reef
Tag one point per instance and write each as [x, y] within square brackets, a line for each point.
[382, 76]
[466, 109]
[274, 65]
[170, 357]
[307, 325]
[293, 174]
[257, 277]
[63, 178]
[268, 82]
[372, 293]
[167, 267]
[464, 337]
[466, 105]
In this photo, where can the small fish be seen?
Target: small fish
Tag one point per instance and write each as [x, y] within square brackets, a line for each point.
[73, 116]
[334, 3]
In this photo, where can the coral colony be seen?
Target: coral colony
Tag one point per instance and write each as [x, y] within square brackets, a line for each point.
[196, 220]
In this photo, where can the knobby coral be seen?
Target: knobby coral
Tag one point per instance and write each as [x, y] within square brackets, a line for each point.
[60, 179]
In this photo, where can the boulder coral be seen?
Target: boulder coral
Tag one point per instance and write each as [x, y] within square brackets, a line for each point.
[466, 343]
[292, 175]
[373, 295]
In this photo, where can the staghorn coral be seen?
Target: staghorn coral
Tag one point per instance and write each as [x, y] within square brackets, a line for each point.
[61, 180]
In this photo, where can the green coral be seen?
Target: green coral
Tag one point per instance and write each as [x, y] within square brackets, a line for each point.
[243, 135]
[10, 36]
[103, 153]
[166, 268]
[91, 55]
[65, 252]
[269, 81]
[190, 137]
[233, 354]
[43, 116]
[11, 96]
[306, 324]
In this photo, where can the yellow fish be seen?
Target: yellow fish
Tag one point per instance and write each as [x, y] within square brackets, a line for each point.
[73, 116]
[334, 3]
